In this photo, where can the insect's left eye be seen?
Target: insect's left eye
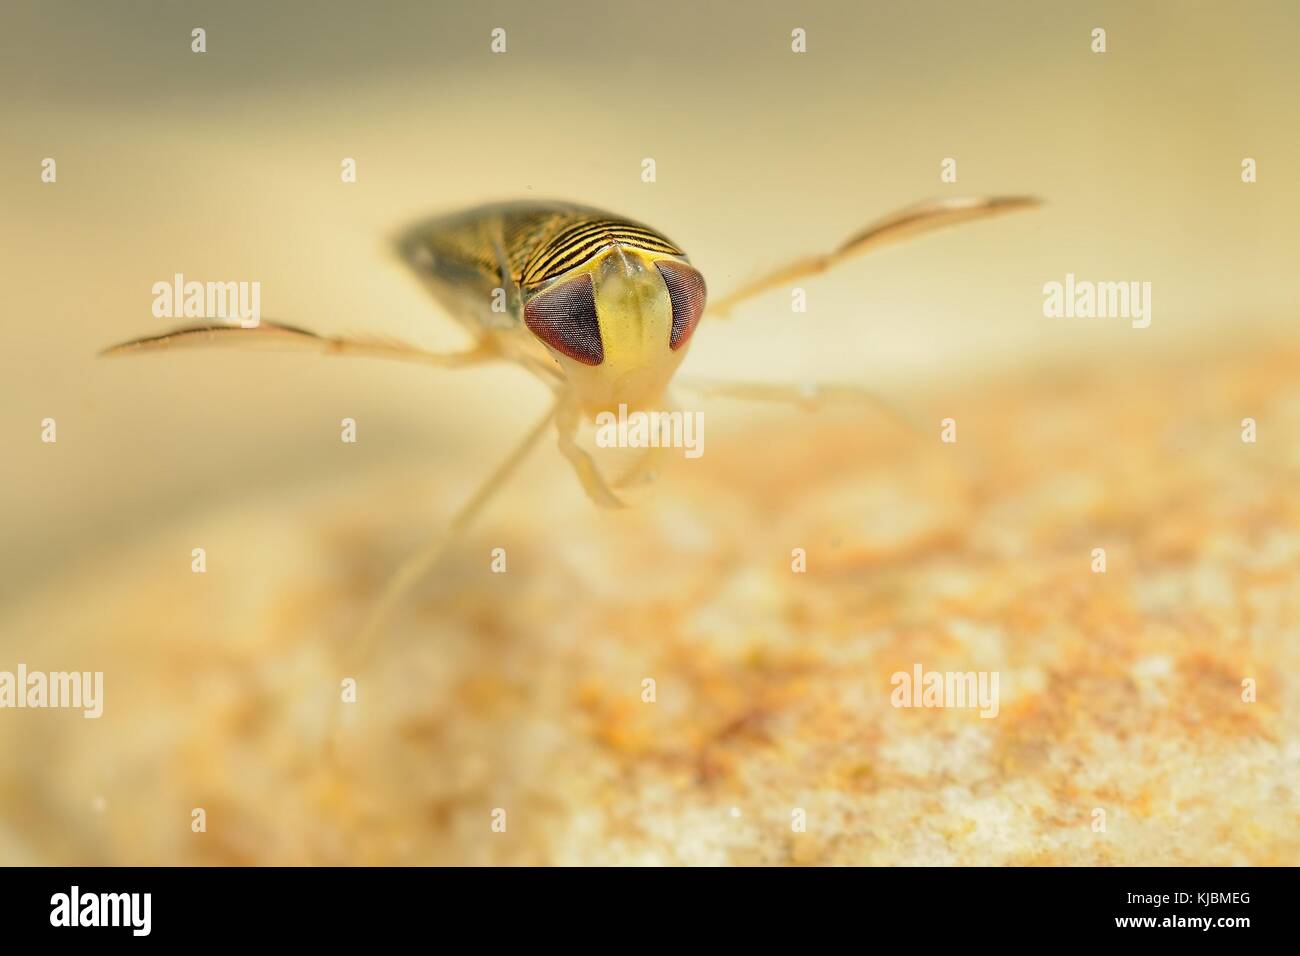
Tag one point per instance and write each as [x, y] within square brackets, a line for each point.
[564, 317]
[687, 292]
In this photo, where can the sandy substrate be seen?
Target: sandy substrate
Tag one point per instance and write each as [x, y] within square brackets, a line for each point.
[1119, 691]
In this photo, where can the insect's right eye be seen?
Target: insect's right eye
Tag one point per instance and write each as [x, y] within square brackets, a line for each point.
[687, 292]
[564, 317]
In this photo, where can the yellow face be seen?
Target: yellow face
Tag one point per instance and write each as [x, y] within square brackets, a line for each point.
[618, 325]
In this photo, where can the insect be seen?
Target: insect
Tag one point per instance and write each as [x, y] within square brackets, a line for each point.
[601, 308]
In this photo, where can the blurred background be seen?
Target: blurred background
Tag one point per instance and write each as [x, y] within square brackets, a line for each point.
[225, 166]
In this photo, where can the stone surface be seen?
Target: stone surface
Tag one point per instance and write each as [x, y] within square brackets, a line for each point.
[1119, 692]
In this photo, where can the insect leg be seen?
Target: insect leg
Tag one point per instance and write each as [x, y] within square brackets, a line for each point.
[809, 397]
[914, 220]
[274, 336]
[645, 469]
[418, 564]
[567, 422]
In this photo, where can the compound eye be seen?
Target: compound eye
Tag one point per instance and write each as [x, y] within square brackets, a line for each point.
[687, 292]
[564, 317]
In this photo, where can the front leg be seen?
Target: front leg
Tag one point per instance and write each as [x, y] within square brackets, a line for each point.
[568, 420]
